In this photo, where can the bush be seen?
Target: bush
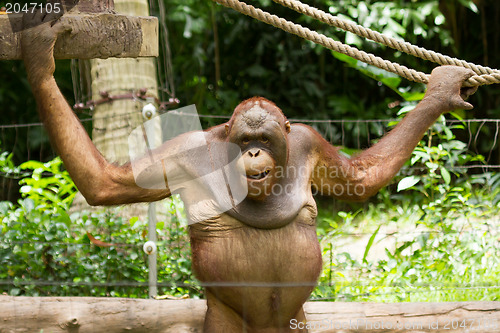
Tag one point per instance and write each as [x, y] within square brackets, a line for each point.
[441, 240]
[46, 251]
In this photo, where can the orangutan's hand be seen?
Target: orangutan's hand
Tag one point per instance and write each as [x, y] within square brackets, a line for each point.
[446, 88]
[40, 31]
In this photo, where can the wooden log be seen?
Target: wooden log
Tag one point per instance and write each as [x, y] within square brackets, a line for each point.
[99, 315]
[113, 315]
[99, 35]
[340, 317]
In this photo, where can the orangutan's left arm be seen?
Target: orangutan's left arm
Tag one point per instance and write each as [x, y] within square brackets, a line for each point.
[363, 175]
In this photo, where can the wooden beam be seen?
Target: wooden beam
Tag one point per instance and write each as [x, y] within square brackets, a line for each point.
[88, 6]
[113, 315]
[98, 35]
[342, 317]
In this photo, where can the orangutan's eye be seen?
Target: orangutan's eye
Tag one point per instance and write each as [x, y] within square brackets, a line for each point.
[265, 139]
[245, 140]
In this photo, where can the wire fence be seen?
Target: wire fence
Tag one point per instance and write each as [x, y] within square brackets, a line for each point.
[337, 131]
[334, 130]
[339, 290]
[418, 287]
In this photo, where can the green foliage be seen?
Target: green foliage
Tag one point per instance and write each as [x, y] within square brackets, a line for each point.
[428, 257]
[48, 186]
[19, 107]
[46, 251]
[175, 254]
[257, 59]
[449, 241]
[370, 243]
[6, 164]
[409, 20]
[444, 244]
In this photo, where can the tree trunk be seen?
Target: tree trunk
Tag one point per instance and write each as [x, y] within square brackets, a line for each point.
[113, 121]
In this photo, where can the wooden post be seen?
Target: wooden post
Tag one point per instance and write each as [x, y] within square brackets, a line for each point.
[97, 33]
[152, 258]
[114, 121]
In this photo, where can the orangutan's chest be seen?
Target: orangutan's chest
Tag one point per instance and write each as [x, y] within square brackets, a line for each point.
[225, 249]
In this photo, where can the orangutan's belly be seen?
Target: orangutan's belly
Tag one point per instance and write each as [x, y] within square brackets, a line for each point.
[264, 274]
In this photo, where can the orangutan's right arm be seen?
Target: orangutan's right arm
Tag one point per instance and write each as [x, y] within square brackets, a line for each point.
[100, 182]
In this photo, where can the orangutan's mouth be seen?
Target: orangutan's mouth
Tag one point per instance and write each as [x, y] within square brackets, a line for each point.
[259, 176]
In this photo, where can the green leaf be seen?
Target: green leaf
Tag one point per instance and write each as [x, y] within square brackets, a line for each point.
[403, 247]
[4, 207]
[414, 159]
[15, 291]
[25, 189]
[133, 220]
[370, 243]
[353, 39]
[407, 182]
[469, 4]
[28, 204]
[413, 96]
[31, 165]
[406, 109]
[446, 175]
[448, 132]
[345, 58]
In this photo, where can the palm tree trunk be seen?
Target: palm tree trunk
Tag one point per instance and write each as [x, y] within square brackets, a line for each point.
[113, 121]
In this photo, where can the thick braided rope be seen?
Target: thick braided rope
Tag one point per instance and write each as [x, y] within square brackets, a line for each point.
[321, 39]
[375, 36]
[353, 52]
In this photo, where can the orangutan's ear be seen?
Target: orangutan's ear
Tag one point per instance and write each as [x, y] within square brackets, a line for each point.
[288, 128]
